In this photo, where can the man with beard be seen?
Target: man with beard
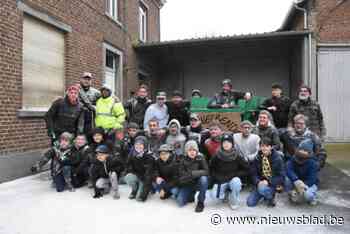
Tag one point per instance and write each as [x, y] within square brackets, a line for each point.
[278, 105]
[87, 98]
[311, 109]
[179, 108]
[137, 106]
[227, 98]
[65, 115]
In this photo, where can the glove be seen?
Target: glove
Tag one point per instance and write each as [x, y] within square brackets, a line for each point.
[300, 186]
[98, 193]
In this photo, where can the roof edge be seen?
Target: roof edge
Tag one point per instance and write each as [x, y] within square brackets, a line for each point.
[290, 14]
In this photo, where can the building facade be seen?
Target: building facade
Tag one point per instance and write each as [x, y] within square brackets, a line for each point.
[47, 45]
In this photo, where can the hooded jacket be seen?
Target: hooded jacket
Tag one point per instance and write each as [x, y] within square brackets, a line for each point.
[110, 113]
[103, 169]
[168, 170]
[306, 171]
[226, 165]
[178, 140]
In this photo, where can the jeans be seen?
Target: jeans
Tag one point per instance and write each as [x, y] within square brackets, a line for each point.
[174, 190]
[135, 184]
[262, 191]
[233, 187]
[108, 183]
[60, 180]
[187, 193]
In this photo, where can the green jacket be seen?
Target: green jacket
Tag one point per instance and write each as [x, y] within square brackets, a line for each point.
[110, 113]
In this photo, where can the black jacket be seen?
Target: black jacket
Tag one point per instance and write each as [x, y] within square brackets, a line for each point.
[181, 112]
[168, 170]
[64, 117]
[280, 116]
[102, 169]
[79, 155]
[58, 157]
[191, 169]
[224, 167]
[142, 167]
[136, 108]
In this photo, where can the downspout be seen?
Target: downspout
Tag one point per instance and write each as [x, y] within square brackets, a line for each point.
[309, 41]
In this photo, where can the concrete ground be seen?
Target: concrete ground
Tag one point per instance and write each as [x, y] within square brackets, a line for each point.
[29, 205]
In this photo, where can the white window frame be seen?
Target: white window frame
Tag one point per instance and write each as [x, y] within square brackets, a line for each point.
[119, 67]
[143, 22]
[112, 9]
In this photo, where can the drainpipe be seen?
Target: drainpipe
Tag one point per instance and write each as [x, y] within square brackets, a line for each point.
[309, 41]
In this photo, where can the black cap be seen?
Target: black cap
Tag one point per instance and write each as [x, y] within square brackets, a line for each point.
[102, 149]
[227, 137]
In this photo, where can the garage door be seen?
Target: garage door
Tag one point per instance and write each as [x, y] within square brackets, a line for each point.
[333, 91]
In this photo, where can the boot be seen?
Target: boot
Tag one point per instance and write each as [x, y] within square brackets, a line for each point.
[199, 207]
[132, 194]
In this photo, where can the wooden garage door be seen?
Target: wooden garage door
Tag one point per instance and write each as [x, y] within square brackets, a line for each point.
[333, 91]
[43, 64]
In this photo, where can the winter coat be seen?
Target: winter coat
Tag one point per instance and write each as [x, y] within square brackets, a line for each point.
[136, 108]
[280, 116]
[277, 169]
[190, 170]
[64, 117]
[312, 110]
[110, 113]
[88, 98]
[211, 147]
[142, 167]
[306, 171]
[59, 158]
[79, 155]
[180, 112]
[103, 169]
[168, 170]
[225, 166]
[221, 98]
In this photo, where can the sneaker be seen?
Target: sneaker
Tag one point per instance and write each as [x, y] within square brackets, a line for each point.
[132, 195]
[116, 195]
[233, 206]
[199, 207]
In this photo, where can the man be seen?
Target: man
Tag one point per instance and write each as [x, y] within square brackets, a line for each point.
[137, 106]
[155, 135]
[294, 136]
[311, 109]
[195, 131]
[110, 113]
[278, 105]
[158, 110]
[196, 93]
[87, 98]
[266, 130]
[246, 142]
[227, 98]
[65, 115]
[267, 174]
[179, 109]
[175, 138]
[212, 145]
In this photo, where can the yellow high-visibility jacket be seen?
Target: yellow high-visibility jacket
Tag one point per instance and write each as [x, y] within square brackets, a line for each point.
[110, 113]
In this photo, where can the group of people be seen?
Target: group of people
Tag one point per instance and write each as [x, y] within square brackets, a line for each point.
[163, 148]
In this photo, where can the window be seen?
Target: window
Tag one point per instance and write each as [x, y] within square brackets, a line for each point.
[143, 23]
[113, 69]
[112, 8]
[43, 64]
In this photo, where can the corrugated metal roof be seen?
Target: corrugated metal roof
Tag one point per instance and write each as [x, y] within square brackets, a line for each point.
[223, 38]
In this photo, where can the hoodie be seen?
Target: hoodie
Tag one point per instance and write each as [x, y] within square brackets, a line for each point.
[178, 140]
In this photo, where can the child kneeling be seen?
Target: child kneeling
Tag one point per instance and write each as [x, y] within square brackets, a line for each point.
[193, 176]
[226, 169]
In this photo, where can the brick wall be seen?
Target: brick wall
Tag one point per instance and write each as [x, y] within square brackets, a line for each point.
[84, 52]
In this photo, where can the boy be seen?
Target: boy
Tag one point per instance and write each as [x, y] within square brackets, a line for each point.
[267, 174]
[139, 170]
[302, 172]
[227, 168]
[79, 153]
[175, 138]
[213, 143]
[60, 167]
[104, 172]
[193, 176]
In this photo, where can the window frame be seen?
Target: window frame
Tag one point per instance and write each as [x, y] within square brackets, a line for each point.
[143, 21]
[112, 12]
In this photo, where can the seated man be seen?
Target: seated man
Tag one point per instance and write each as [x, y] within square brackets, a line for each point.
[294, 136]
[227, 98]
[302, 171]
[267, 174]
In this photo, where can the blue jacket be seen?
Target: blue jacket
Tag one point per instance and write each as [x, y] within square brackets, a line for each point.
[277, 167]
[307, 171]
